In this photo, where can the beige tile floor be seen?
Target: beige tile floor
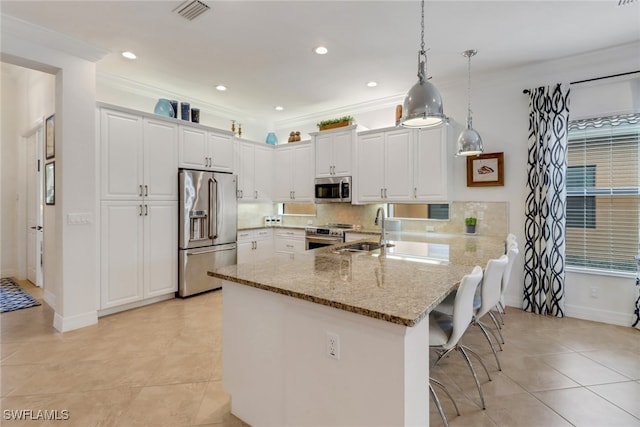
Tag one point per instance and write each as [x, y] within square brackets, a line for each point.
[160, 365]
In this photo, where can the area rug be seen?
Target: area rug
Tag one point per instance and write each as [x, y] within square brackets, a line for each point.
[12, 297]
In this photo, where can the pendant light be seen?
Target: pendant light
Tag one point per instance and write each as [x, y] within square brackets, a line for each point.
[469, 141]
[423, 104]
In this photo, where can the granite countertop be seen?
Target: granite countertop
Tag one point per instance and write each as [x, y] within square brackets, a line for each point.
[400, 286]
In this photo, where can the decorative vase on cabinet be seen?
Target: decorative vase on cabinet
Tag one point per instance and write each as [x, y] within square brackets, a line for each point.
[164, 108]
[272, 139]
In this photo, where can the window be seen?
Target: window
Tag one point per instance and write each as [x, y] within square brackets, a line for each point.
[581, 210]
[603, 193]
[297, 209]
[419, 211]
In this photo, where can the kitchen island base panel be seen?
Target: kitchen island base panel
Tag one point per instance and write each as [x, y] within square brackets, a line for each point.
[276, 368]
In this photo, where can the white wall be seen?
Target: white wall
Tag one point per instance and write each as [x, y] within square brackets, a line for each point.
[8, 171]
[71, 267]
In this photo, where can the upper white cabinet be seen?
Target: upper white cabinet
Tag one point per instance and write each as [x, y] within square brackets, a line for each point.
[139, 157]
[294, 175]
[402, 165]
[334, 151]
[384, 166]
[255, 172]
[205, 149]
[432, 176]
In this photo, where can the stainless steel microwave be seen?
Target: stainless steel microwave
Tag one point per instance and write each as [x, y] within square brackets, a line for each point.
[333, 189]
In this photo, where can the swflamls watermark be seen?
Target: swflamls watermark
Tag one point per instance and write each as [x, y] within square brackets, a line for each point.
[35, 414]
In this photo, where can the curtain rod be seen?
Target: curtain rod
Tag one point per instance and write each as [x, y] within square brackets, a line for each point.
[595, 79]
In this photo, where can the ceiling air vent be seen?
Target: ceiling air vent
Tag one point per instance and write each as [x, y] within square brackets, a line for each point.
[623, 2]
[191, 9]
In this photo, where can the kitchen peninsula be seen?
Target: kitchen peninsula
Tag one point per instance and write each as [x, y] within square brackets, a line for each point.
[338, 338]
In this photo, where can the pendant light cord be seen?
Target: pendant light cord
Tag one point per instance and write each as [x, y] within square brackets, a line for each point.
[422, 51]
[469, 91]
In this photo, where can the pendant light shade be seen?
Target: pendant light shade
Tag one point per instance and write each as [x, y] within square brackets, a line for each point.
[423, 104]
[469, 141]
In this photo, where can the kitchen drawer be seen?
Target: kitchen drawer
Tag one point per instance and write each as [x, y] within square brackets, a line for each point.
[289, 245]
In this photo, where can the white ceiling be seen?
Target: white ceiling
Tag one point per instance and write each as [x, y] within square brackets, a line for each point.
[263, 50]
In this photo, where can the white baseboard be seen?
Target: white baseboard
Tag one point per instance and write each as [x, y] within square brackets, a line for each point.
[50, 299]
[513, 301]
[585, 313]
[69, 323]
[597, 315]
[141, 303]
[8, 272]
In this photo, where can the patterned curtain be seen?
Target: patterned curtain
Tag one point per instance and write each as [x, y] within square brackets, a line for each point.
[544, 252]
[636, 312]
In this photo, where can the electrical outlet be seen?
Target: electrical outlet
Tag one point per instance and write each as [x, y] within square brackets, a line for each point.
[430, 228]
[480, 215]
[594, 292]
[333, 345]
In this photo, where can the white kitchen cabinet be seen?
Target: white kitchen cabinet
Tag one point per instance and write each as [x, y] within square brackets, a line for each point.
[334, 151]
[138, 157]
[384, 170]
[432, 174]
[255, 171]
[205, 149]
[294, 173]
[289, 241]
[254, 245]
[138, 253]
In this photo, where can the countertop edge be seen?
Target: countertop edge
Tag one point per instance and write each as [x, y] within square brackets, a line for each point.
[323, 301]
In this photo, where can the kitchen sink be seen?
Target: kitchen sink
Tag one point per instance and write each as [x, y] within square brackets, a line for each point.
[361, 247]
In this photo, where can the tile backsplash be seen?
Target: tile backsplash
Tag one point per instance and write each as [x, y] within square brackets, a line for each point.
[493, 217]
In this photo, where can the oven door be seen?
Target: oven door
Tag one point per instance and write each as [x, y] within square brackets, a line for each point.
[314, 242]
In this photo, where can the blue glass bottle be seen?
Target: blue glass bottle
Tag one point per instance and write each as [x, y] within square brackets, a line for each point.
[272, 139]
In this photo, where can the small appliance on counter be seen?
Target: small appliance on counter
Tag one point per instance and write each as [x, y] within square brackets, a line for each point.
[208, 227]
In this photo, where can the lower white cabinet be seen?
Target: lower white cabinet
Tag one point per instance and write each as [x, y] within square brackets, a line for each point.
[139, 251]
[289, 241]
[254, 245]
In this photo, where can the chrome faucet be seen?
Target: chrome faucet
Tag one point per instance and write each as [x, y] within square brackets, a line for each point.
[380, 217]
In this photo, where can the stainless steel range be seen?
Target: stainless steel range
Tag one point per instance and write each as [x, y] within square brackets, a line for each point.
[327, 235]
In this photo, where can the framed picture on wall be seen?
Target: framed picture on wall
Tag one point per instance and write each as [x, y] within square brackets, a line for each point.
[49, 138]
[50, 183]
[485, 170]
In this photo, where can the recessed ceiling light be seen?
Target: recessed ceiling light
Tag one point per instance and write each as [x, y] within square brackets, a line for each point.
[372, 84]
[129, 55]
[279, 108]
[221, 88]
[321, 50]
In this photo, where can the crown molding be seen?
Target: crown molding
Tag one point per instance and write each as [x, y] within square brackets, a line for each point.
[352, 109]
[108, 80]
[22, 30]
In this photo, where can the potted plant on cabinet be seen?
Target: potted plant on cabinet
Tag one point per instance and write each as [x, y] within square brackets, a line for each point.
[470, 224]
[335, 123]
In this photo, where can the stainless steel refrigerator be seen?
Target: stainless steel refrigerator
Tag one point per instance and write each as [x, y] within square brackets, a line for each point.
[208, 228]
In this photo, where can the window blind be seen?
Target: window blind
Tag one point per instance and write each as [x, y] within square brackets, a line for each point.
[603, 193]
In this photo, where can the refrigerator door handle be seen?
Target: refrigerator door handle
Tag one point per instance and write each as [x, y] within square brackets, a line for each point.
[213, 219]
[211, 251]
